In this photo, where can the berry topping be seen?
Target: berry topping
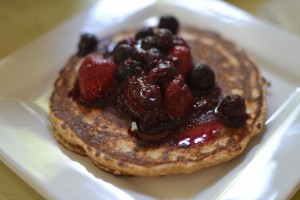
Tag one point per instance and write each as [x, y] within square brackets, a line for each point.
[146, 31]
[163, 74]
[122, 51]
[88, 43]
[169, 22]
[131, 95]
[147, 42]
[201, 78]
[151, 121]
[232, 110]
[182, 59]
[179, 41]
[129, 40]
[150, 96]
[156, 83]
[178, 98]
[95, 78]
[164, 39]
[128, 68]
[152, 57]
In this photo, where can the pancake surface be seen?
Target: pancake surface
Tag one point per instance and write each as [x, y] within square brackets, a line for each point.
[101, 133]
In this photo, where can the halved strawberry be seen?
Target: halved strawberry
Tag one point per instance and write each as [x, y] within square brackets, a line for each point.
[131, 95]
[96, 75]
[182, 59]
[178, 98]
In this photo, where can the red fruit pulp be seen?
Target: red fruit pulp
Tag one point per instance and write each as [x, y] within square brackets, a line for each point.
[95, 77]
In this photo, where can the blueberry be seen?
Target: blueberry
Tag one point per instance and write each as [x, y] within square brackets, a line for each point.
[201, 78]
[88, 43]
[147, 42]
[169, 22]
[232, 110]
[152, 57]
[121, 52]
[128, 68]
[152, 120]
[164, 39]
[145, 31]
[163, 73]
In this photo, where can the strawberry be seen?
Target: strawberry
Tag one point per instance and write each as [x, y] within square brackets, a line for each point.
[178, 98]
[182, 59]
[96, 75]
[131, 95]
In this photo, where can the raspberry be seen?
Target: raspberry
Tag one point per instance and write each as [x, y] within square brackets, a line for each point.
[95, 77]
[182, 59]
[178, 98]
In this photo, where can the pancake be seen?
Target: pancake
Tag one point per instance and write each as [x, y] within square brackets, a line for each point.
[102, 133]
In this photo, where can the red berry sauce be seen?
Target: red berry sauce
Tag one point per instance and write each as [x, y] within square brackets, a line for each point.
[198, 134]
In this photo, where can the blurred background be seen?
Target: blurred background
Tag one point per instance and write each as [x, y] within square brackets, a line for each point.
[22, 21]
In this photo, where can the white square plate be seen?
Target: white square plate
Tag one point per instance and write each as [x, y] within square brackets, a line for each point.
[268, 169]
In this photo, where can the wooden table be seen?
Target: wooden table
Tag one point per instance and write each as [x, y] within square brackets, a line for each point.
[23, 21]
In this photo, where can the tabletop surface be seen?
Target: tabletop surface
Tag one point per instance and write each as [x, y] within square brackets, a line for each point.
[37, 21]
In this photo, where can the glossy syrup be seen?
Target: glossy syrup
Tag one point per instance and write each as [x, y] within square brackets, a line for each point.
[198, 134]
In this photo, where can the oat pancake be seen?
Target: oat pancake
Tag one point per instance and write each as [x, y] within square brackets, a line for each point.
[101, 133]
